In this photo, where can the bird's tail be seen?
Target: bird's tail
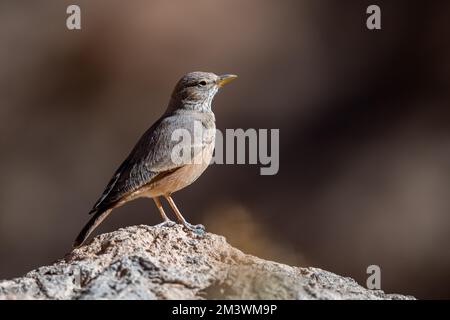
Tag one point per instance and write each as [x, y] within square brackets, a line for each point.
[98, 217]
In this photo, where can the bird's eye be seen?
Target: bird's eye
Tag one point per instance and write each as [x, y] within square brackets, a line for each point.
[202, 83]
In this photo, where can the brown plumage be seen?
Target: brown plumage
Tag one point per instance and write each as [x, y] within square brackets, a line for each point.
[150, 169]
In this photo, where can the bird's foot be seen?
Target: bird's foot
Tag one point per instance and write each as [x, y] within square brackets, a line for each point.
[166, 223]
[197, 228]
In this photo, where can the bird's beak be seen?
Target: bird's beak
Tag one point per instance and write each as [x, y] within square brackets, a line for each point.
[224, 79]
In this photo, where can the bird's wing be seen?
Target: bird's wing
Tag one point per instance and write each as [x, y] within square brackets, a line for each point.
[149, 159]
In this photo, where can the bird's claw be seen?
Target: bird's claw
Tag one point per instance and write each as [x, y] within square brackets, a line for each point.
[166, 223]
[198, 228]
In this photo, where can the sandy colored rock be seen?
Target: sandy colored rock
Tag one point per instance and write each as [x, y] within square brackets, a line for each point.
[144, 262]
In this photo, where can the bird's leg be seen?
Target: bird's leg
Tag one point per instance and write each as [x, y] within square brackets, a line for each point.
[199, 228]
[167, 222]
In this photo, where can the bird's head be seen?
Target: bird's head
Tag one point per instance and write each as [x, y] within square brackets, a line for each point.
[196, 90]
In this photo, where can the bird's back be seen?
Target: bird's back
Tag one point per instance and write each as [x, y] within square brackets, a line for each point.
[151, 160]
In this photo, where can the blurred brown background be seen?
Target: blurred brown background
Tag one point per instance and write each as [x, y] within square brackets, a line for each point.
[364, 120]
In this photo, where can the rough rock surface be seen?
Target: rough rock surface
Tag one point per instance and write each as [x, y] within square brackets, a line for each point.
[143, 262]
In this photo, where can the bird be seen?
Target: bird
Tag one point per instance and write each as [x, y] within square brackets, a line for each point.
[151, 170]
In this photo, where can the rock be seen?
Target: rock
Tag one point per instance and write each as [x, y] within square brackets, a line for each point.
[143, 262]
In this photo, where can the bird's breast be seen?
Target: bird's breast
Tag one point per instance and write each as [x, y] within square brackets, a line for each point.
[188, 172]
